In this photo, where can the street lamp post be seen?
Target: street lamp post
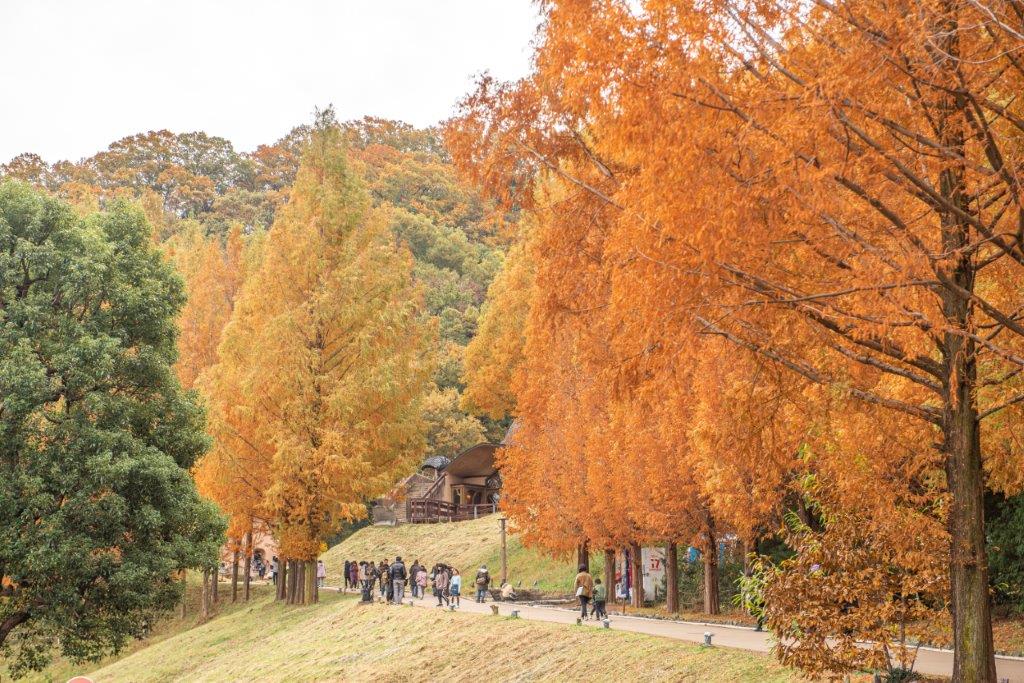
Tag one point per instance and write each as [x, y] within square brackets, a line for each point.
[504, 552]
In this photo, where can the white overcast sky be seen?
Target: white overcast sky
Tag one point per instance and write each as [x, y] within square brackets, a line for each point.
[79, 74]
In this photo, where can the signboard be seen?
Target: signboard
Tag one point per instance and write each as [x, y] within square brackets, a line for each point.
[653, 562]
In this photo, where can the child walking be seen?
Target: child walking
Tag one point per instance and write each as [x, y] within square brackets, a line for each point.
[600, 599]
[455, 588]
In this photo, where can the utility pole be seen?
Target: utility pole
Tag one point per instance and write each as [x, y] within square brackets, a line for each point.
[504, 552]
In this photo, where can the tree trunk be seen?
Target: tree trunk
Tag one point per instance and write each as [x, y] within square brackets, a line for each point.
[234, 575]
[11, 622]
[282, 578]
[583, 556]
[711, 598]
[248, 564]
[301, 583]
[671, 578]
[974, 656]
[184, 594]
[289, 591]
[609, 573]
[636, 560]
[749, 553]
[204, 600]
[215, 594]
[310, 583]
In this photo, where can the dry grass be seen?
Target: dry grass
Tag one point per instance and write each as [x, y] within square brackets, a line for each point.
[341, 640]
[61, 669]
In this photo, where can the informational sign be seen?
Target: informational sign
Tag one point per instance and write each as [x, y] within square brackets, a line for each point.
[653, 562]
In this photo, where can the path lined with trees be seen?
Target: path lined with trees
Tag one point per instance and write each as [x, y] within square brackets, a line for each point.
[774, 257]
[930, 661]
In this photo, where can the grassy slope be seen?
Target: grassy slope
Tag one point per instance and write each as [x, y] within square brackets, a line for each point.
[61, 669]
[464, 545]
[340, 640]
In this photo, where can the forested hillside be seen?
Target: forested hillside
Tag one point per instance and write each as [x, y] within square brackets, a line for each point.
[208, 203]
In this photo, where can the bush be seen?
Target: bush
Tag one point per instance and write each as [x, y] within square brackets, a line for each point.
[1005, 547]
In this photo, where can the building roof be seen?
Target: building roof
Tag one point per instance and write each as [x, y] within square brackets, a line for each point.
[475, 461]
[438, 462]
[511, 433]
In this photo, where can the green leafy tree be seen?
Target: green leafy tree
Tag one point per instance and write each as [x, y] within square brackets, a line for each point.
[1005, 548]
[97, 508]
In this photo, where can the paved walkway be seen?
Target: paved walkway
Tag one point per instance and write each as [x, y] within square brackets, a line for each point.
[930, 661]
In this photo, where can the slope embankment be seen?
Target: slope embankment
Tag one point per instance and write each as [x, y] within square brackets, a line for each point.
[340, 640]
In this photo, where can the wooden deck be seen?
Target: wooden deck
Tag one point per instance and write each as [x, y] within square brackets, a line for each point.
[431, 511]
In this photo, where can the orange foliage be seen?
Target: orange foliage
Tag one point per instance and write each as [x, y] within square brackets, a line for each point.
[833, 189]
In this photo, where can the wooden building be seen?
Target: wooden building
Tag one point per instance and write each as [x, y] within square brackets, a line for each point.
[442, 490]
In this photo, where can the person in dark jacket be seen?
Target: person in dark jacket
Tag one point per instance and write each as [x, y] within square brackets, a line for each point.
[345, 573]
[371, 577]
[398, 575]
[414, 571]
[600, 597]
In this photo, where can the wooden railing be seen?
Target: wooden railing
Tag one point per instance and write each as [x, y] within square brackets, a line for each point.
[429, 511]
[435, 488]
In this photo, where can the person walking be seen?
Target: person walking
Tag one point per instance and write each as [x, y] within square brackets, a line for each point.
[441, 578]
[398, 574]
[353, 575]
[584, 586]
[382, 575]
[321, 573]
[455, 587]
[483, 580]
[421, 582]
[371, 578]
[414, 571]
[275, 566]
[600, 600]
[345, 574]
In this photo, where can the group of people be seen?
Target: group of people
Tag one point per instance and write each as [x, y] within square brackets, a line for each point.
[591, 591]
[392, 579]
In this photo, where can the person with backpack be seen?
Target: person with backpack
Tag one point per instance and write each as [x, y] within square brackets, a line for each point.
[398, 575]
[483, 580]
[584, 586]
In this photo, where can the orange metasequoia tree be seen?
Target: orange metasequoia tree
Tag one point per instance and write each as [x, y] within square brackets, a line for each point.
[833, 187]
[324, 364]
